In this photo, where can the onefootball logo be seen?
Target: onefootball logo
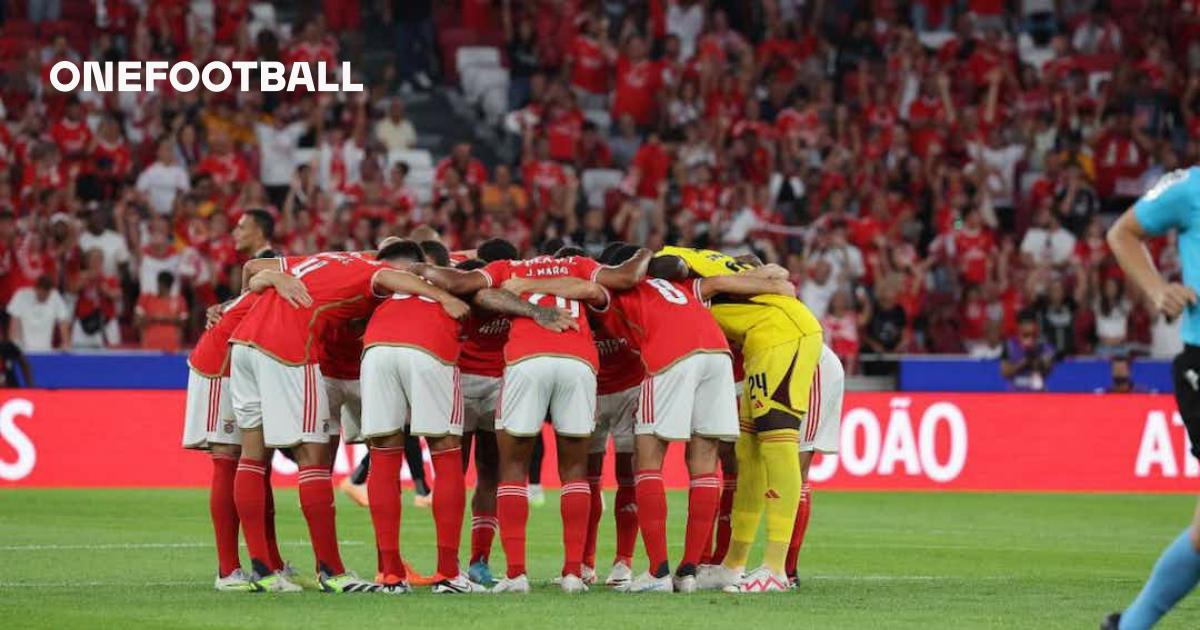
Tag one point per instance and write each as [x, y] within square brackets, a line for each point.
[216, 76]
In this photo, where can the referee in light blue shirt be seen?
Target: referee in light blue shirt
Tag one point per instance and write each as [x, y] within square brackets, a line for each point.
[1172, 203]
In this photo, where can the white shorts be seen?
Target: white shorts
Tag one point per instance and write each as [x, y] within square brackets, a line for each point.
[614, 416]
[696, 396]
[479, 402]
[821, 430]
[209, 415]
[559, 387]
[405, 389]
[287, 401]
[345, 409]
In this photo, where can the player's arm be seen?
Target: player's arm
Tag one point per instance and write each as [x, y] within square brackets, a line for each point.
[626, 274]
[769, 272]
[569, 288]
[253, 267]
[396, 281]
[1168, 204]
[743, 285]
[455, 281]
[1126, 239]
[288, 287]
[507, 303]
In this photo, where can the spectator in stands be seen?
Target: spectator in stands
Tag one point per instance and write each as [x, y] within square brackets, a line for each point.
[594, 233]
[113, 249]
[395, 131]
[888, 330]
[1056, 315]
[1027, 359]
[1047, 243]
[1112, 311]
[36, 313]
[1121, 369]
[414, 35]
[163, 180]
[95, 321]
[157, 256]
[161, 316]
[818, 286]
[278, 141]
[626, 142]
[11, 360]
[992, 345]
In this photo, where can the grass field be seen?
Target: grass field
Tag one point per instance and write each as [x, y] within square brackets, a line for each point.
[143, 559]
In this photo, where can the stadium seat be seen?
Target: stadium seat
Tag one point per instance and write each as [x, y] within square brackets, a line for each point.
[19, 28]
[476, 56]
[15, 47]
[597, 182]
[414, 158]
[449, 41]
[476, 80]
[421, 181]
[935, 39]
[599, 117]
[495, 104]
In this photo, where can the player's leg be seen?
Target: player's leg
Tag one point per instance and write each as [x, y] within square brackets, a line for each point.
[625, 503]
[537, 496]
[729, 480]
[251, 479]
[800, 528]
[416, 469]
[385, 408]
[345, 412]
[821, 433]
[435, 393]
[595, 475]
[1178, 568]
[572, 407]
[523, 403]
[713, 417]
[479, 406]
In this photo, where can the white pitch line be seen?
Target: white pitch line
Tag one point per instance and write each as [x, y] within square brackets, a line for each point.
[131, 546]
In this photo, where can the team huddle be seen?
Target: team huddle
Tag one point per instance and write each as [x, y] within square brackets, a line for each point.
[475, 355]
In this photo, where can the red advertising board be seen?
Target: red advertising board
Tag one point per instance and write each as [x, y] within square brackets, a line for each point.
[1071, 442]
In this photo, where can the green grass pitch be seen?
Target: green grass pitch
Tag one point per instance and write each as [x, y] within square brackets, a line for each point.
[143, 559]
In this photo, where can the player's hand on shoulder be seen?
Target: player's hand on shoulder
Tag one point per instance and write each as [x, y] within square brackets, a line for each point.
[1172, 298]
[291, 289]
[783, 287]
[456, 308]
[555, 319]
[212, 315]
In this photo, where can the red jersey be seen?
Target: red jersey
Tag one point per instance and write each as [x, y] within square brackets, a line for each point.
[654, 164]
[483, 348]
[226, 169]
[620, 364]
[589, 65]
[637, 90]
[528, 339]
[210, 357]
[72, 138]
[973, 252]
[541, 178]
[340, 285]
[414, 321]
[669, 322]
[340, 351]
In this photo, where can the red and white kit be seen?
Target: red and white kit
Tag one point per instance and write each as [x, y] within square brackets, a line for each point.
[481, 364]
[822, 427]
[276, 381]
[209, 417]
[689, 388]
[618, 387]
[547, 373]
[409, 369]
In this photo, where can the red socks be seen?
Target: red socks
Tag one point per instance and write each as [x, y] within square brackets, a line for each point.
[793, 554]
[595, 511]
[625, 513]
[249, 496]
[575, 505]
[269, 520]
[383, 488]
[703, 497]
[483, 530]
[652, 518]
[724, 525]
[316, 501]
[223, 510]
[512, 510]
[449, 501]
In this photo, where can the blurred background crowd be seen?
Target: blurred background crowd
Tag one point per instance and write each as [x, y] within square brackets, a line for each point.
[936, 174]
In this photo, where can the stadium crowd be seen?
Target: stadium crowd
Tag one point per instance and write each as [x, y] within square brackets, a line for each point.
[931, 172]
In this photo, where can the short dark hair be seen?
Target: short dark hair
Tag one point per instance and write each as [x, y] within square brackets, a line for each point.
[566, 251]
[402, 250]
[605, 257]
[166, 278]
[265, 221]
[268, 253]
[470, 264]
[1027, 316]
[669, 267]
[623, 253]
[550, 246]
[436, 253]
[495, 249]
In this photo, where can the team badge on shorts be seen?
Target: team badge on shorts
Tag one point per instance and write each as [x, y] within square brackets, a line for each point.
[228, 426]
